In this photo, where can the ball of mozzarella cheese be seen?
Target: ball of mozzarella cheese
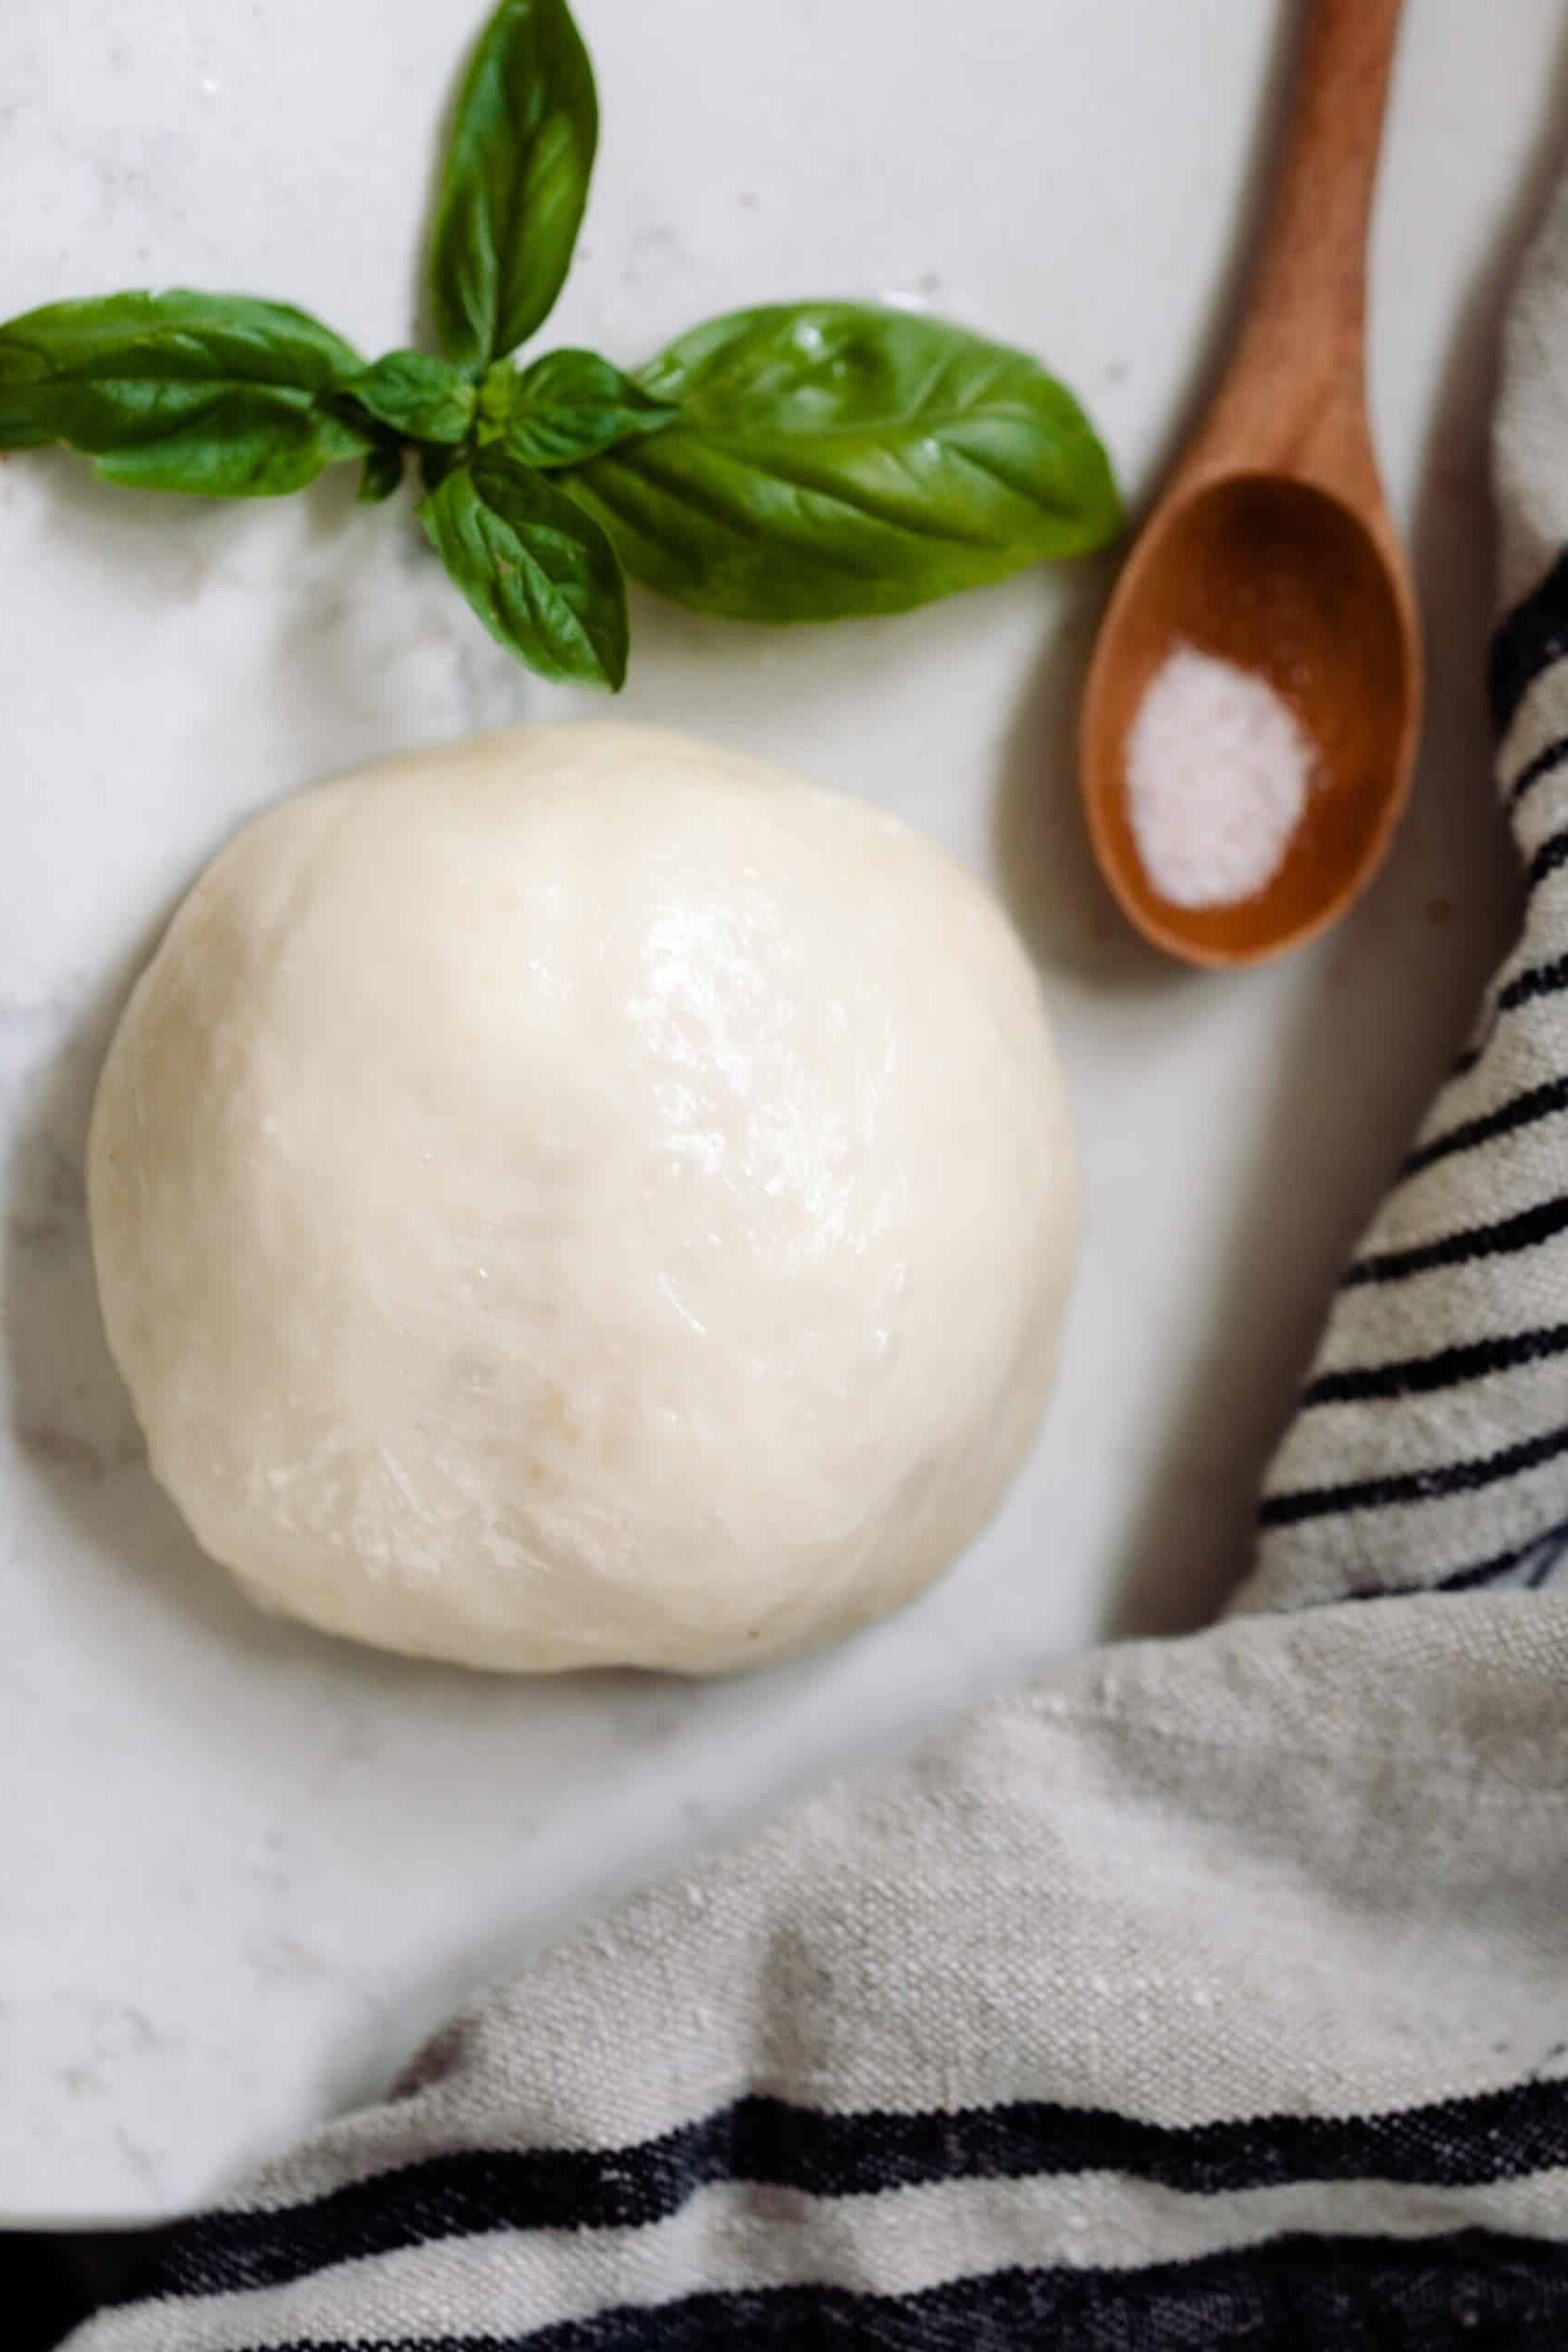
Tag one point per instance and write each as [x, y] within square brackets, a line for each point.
[581, 1197]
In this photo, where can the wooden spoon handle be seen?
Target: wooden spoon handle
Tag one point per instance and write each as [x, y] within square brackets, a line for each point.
[1293, 398]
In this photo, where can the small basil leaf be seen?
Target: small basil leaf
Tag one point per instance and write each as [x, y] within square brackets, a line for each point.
[540, 573]
[514, 182]
[566, 407]
[831, 460]
[382, 473]
[211, 394]
[422, 398]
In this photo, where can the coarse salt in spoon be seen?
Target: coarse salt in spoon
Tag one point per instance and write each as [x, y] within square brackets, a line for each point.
[1271, 557]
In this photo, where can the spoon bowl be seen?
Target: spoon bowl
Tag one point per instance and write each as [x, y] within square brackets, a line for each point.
[1273, 548]
[1281, 578]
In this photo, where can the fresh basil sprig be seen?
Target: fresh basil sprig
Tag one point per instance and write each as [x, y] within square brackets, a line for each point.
[803, 462]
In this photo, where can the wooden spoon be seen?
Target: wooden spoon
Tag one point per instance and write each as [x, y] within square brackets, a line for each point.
[1272, 547]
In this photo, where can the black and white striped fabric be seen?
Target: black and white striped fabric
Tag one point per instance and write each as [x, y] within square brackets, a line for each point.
[1214, 1993]
[1211, 1993]
[1430, 1450]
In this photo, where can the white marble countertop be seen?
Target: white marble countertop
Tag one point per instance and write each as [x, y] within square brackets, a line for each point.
[242, 1869]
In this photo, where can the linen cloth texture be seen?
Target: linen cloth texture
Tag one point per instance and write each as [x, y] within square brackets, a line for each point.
[1430, 1446]
[1211, 1993]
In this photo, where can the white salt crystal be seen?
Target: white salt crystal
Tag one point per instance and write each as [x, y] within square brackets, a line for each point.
[1218, 770]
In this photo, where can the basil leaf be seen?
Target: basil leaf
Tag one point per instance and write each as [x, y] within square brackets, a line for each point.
[514, 182]
[540, 572]
[422, 398]
[213, 394]
[831, 460]
[382, 473]
[568, 406]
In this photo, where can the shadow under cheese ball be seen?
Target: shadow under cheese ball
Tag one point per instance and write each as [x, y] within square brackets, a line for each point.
[579, 1197]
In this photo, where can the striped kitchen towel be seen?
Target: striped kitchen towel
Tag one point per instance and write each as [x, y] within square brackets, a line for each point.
[1212, 1993]
[1430, 1449]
